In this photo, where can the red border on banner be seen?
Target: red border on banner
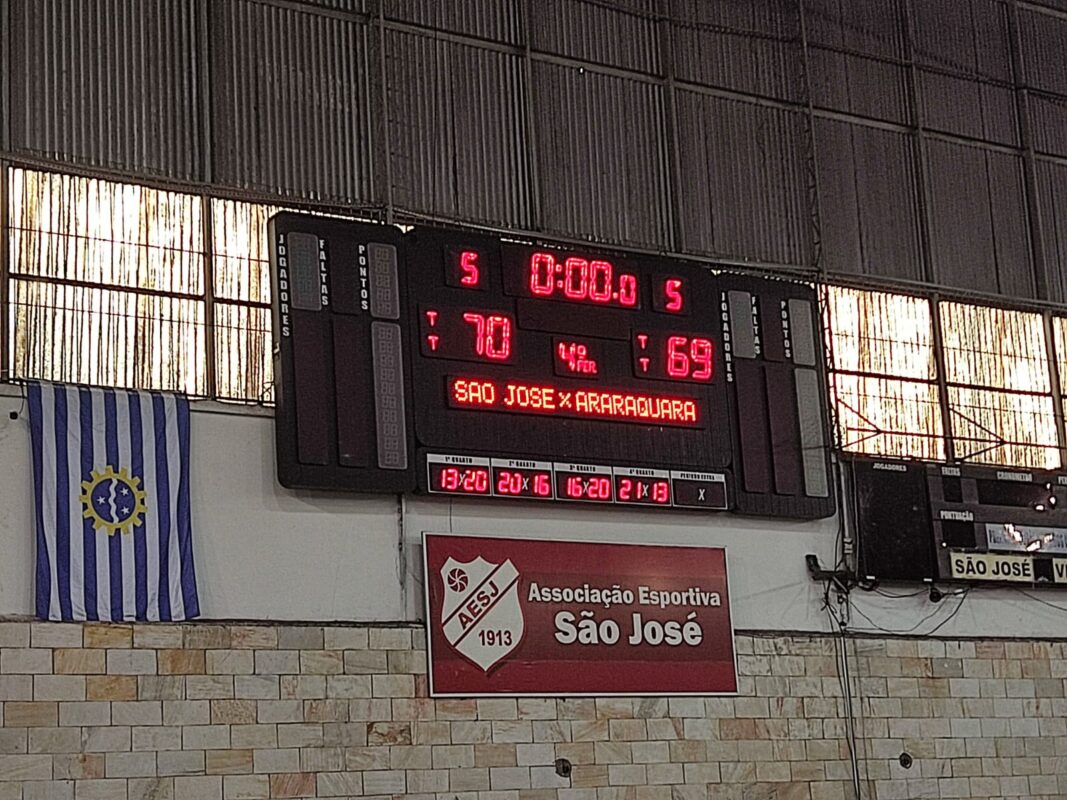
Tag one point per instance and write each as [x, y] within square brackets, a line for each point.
[512, 627]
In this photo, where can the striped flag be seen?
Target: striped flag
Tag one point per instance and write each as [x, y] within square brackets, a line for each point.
[111, 487]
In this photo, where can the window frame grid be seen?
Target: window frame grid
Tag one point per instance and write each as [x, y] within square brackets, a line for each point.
[958, 444]
[205, 252]
[1056, 351]
[997, 440]
[939, 441]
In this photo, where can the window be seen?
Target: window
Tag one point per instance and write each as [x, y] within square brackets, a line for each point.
[883, 374]
[108, 287]
[106, 284]
[885, 392]
[243, 367]
[999, 386]
[115, 284]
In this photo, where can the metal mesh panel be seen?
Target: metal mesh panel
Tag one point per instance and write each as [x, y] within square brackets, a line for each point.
[1049, 124]
[80, 229]
[856, 52]
[979, 236]
[883, 371]
[994, 348]
[880, 333]
[1059, 332]
[243, 364]
[244, 369]
[80, 334]
[622, 33]
[290, 98]
[457, 134]
[106, 283]
[499, 20]
[996, 365]
[966, 81]
[885, 417]
[107, 287]
[1052, 199]
[600, 178]
[743, 180]
[1044, 41]
[240, 250]
[868, 200]
[1003, 428]
[749, 47]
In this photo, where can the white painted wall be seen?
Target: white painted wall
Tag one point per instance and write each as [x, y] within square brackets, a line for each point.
[264, 552]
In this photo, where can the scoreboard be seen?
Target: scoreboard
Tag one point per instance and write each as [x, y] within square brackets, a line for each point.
[446, 362]
[959, 522]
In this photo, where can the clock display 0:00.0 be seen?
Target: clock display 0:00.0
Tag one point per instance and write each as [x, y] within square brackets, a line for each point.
[580, 279]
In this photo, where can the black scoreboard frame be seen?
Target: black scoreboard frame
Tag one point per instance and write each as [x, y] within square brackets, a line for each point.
[352, 370]
[918, 521]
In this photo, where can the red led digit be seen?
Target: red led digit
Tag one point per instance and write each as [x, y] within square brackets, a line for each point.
[672, 291]
[599, 489]
[677, 358]
[626, 487]
[661, 492]
[700, 352]
[509, 483]
[541, 485]
[492, 335]
[449, 479]
[478, 321]
[476, 481]
[574, 486]
[576, 278]
[498, 337]
[673, 357]
[600, 281]
[542, 274]
[580, 280]
[468, 264]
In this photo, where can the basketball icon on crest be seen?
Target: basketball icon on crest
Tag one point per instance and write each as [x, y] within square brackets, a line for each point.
[481, 616]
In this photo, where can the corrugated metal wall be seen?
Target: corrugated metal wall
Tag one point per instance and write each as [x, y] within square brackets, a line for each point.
[743, 189]
[456, 130]
[107, 84]
[868, 201]
[601, 155]
[290, 102]
[884, 140]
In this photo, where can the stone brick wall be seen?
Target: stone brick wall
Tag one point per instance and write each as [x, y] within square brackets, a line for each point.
[206, 712]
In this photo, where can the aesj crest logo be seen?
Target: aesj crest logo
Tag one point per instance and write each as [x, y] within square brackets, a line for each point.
[481, 616]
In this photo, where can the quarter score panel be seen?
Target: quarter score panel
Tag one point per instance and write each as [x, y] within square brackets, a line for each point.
[539, 372]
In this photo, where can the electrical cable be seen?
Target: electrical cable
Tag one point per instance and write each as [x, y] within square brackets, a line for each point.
[839, 627]
[876, 628]
[884, 593]
[1040, 600]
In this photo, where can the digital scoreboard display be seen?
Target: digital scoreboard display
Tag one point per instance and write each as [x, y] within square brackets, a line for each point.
[458, 364]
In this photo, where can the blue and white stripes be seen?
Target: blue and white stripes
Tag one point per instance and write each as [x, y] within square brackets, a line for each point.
[111, 487]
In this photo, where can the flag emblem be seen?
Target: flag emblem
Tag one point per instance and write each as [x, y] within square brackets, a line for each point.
[113, 501]
[481, 615]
